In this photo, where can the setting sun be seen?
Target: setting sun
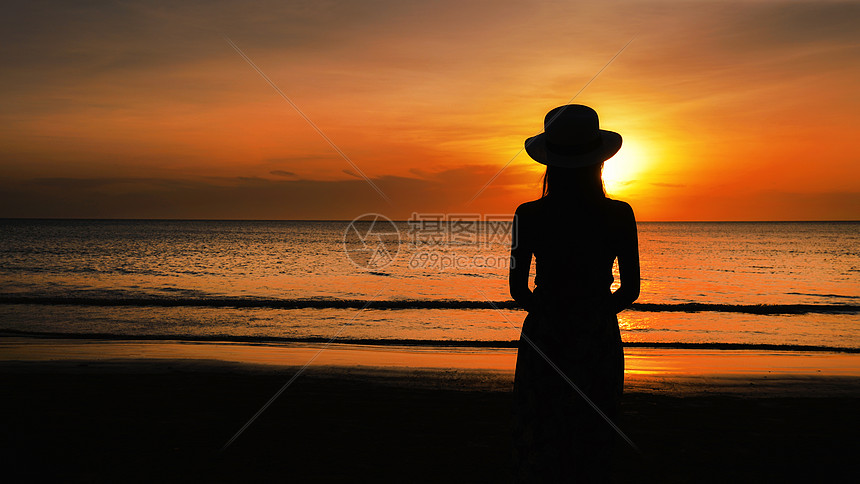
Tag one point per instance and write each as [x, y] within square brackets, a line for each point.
[624, 168]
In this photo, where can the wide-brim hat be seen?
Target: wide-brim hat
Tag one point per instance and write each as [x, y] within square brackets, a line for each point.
[572, 138]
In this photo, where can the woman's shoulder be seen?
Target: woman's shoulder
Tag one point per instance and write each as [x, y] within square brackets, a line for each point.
[618, 204]
[615, 209]
[619, 209]
[529, 208]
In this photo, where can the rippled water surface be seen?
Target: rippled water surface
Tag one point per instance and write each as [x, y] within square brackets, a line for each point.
[731, 264]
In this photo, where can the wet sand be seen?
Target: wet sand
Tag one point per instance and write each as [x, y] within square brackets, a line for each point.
[94, 411]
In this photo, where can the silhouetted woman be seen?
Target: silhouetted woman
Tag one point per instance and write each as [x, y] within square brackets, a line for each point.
[575, 233]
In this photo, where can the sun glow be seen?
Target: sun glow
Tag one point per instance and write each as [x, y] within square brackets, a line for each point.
[620, 171]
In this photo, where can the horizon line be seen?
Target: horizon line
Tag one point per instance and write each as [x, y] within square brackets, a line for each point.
[173, 219]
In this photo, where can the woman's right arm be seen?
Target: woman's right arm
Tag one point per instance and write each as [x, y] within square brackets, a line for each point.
[521, 261]
[628, 261]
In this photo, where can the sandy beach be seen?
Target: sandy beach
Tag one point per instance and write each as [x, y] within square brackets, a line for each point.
[109, 411]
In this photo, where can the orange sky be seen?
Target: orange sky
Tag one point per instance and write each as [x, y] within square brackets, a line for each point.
[729, 110]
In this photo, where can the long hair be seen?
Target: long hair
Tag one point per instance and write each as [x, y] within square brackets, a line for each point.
[585, 183]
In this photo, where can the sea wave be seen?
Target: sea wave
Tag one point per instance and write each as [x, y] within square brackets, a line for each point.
[238, 302]
[429, 343]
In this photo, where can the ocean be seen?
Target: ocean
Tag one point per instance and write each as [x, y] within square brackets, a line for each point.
[421, 282]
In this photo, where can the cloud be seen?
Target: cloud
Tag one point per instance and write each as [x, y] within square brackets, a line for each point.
[282, 173]
[713, 204]
[256, 198]
[788, 25]
[442, 191]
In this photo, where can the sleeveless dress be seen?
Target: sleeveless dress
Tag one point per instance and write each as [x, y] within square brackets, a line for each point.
[558, 437]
